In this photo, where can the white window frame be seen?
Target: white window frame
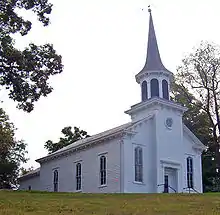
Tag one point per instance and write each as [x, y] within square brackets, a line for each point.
[189, 172]
[78, 176]
[57, 181]
[138, 165]
[103, 171]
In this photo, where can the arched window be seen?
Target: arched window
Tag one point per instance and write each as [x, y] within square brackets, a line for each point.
[55, 180]
[102, 170]
[189, 172]
[78, 176]
[138, 159]
[165, 89]
[154, 87]
[144, 90]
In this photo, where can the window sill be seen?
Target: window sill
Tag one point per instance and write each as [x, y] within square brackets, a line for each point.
[104, 185]
[139, 183]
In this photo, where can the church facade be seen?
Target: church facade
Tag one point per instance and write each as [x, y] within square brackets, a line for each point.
[153, 153]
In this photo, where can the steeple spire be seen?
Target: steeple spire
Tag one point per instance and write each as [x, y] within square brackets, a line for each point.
[154, 78]
[153, 60]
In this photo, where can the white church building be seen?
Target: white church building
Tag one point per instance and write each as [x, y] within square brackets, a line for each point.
[153, 153]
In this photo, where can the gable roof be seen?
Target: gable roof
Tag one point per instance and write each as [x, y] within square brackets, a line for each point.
[197, 143]
[35, 172]
[97, 138]
[108, 134]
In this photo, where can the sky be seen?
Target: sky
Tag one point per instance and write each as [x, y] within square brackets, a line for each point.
[103, 44]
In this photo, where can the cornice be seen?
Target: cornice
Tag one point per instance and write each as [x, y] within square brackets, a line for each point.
[130, 131]
[197, 144]
[156, 101]
[80, 147]
[29, 175]
[144, 74]
[198, 149]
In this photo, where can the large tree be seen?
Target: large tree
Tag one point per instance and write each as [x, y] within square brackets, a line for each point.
[197, 120]
[200, 74]
[69, 138]
[25, 73]
[12, 152]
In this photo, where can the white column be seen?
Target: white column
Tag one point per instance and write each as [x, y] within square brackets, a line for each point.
[148, 89]
[168, 89]
[160, 88]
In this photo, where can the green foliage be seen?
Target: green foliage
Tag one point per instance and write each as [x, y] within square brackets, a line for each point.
[198, 82]
[44, 203]
[25, 171]
[200, 74]
[69, 138]
[197, 120]
[25, 74]
[12, 152]
[209, 171]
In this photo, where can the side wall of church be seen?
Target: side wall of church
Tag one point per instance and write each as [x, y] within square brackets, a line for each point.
[197, 165]
[90, 161]
[144, 138]
[33, 182]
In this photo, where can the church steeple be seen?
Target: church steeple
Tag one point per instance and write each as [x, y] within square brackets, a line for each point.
[154, 80]
[154, 77]
[153, 61]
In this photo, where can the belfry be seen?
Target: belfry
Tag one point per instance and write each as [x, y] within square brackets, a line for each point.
[154, 78]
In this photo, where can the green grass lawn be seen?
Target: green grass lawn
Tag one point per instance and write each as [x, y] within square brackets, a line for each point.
[28, 203]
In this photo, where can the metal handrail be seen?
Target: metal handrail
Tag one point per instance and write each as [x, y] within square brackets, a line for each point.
[190, 189]
[168, 186]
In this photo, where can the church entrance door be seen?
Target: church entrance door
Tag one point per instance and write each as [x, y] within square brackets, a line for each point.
[170, 180]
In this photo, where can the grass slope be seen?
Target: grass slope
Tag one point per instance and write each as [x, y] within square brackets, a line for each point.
[29, 203]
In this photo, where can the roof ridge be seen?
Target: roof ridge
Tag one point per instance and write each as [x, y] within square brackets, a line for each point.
[34, 171]
[88, 139]
[193, 136]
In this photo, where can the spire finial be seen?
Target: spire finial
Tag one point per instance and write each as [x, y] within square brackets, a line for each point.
[149, 9]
